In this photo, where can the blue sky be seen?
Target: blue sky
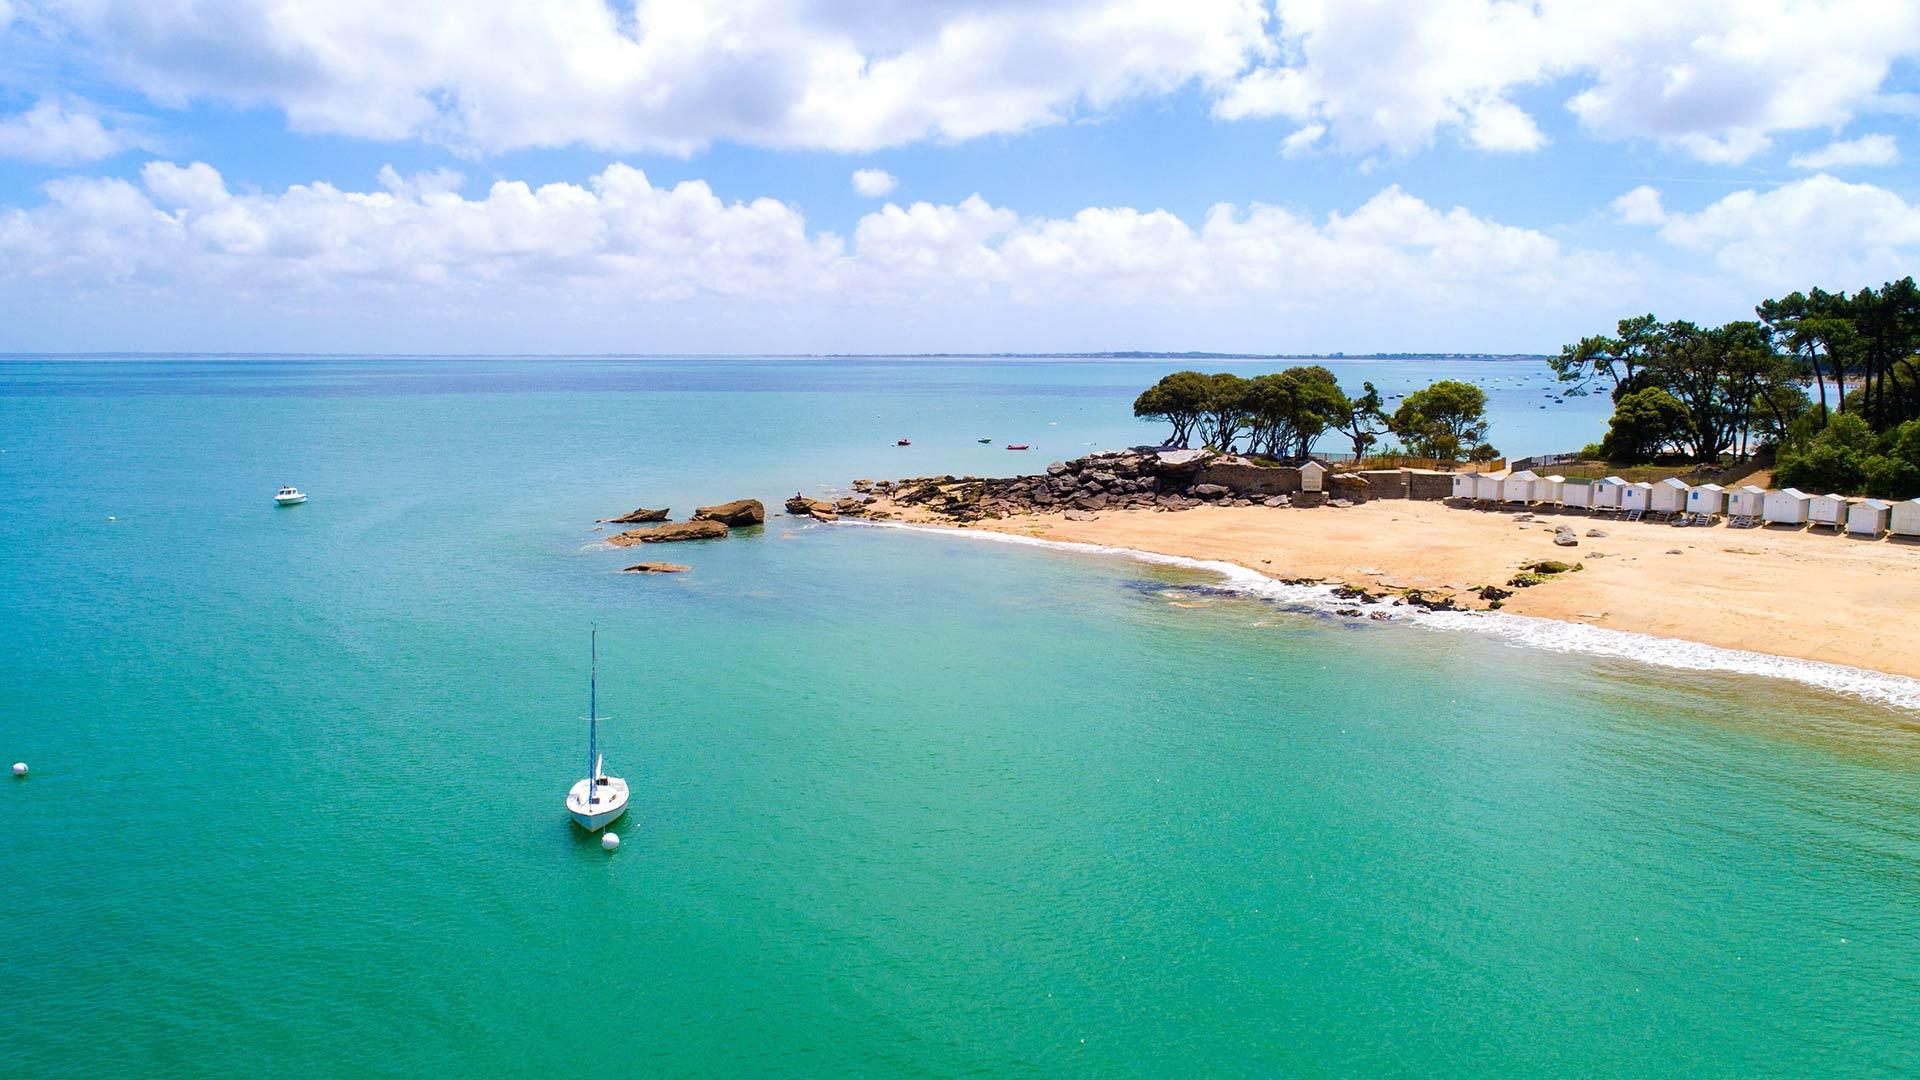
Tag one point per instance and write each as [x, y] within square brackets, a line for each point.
[1217, 174]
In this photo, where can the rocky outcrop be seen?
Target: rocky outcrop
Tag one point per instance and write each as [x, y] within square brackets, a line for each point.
[666, 534]
[738, 512]
[638, 517]
[655, 568]
[801, 506]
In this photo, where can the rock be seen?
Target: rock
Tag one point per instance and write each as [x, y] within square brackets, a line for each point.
[824, 515]
[801, 506]
[1209, 491]
[656, 568]
[1080, 515]
[1596, 534]
[1675, 551]
[1523, 517]
[1341, 503]
[737, 512]
[639, 517]
[1057, 468]
[1494, 592]
[1090, 502]
[1274, 501]
[1565, 539]
[863, 485]
[666, 534]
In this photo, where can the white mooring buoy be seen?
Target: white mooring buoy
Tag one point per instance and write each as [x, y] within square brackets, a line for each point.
[19, 768]
[610, 841]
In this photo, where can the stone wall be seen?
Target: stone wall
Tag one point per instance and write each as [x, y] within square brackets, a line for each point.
[1385, 483]
[1428, 485]
[1349, 486]
[1252, 479]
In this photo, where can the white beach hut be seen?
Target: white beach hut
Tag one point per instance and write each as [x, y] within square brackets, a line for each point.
[1547, 489]
[1829, 510]
[1788, 506]
[1607, 493]
[1745, 504]
[1669, 497]
[1313, 476]
[1905, 520]
[1486, 487]
[1463, 484]
[1869, 517]
[1707, 500]
[1577, 493]
[1636, 498]
[1518, 486]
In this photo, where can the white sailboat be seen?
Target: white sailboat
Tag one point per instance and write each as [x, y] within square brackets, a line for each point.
[288, 495]
[597, 801]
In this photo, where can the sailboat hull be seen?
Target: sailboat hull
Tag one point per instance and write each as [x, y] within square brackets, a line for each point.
[604, 807]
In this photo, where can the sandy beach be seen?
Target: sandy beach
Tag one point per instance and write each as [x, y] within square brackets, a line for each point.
[1809, 596]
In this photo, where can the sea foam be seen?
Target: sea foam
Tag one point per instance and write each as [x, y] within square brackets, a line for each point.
[1520, 631]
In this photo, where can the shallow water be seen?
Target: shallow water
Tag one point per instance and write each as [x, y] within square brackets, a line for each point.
[903, 803]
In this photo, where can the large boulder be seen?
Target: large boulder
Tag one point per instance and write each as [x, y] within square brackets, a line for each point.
[666, 534]
[801, 506]
[640, 517]
[737, 512]
[1209, 491]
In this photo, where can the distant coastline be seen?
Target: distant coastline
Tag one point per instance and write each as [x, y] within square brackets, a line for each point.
[1474, 357]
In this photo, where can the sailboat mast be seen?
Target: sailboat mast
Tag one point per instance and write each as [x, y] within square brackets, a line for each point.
[593, 718]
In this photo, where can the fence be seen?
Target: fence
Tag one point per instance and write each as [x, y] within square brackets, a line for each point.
[1346, 462]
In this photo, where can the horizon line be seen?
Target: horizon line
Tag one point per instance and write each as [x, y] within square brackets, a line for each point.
[1109, 354]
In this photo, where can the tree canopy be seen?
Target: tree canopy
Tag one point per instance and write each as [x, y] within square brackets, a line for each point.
[1447, 420]
[1281, 414]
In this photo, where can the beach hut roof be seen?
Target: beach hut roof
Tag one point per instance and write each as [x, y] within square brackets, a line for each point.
[1715, 487]
[1794, 493]
[1611, 480]
[1555, 478]
[1879, 504]
[1673, 483]
[1642, 484]
[1524, 474]
[1752, 490]
[1836, 496]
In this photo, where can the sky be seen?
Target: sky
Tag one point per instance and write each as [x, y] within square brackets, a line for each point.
[740, 176]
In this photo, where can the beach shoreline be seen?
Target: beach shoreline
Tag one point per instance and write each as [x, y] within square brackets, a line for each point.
[1818, 598]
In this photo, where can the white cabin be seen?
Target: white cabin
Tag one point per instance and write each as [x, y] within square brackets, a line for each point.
[1747, 501]
[1547, 489]
[1463, 484]
[1829, 509]
[1313, 477]
[1577, 493]
[1905, 520]
[1487, 485]
[1707, 499]
[1607, 493]
[1869, 517]
[1669, 496]
[1637, 497]
[1518, 486]
[1788, 506]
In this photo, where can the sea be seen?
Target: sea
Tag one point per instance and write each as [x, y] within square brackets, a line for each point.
[905, 803]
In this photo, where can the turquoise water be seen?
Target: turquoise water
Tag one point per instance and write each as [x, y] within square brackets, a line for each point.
[904, 804]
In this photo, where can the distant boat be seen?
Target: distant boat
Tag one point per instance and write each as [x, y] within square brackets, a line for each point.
[903, 442]
[988, 439]
[597, 801]
[1018, 446]
[288, 495]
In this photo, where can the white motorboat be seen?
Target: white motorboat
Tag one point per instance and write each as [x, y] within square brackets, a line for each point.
[597, 801]
[288, 495]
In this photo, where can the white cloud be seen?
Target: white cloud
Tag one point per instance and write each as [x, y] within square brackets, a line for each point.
[56, 132]
[1865, 150]
[1816, 231]
[602, 247]
[874, 183]
[673, 75]
[1714, 78]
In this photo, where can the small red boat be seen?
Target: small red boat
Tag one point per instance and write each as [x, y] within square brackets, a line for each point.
[904, 442]
[1018, 446]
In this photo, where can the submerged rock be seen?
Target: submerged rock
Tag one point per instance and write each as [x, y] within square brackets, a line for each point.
[737, 512]
[656, 568]
[640, 516]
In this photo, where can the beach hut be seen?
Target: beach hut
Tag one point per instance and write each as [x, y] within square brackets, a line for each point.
[1463, 484]
[1486, 486]
[1829, 510]
[1636, 499]
[1708, 500]
[1518, 486]
[1745, 505]
[1905, 519]
[1788, 506]
[1313, 476]
[1577, 493]
[1869, 517]
[1669, 497]
[1607, 493]
[1547, 489]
